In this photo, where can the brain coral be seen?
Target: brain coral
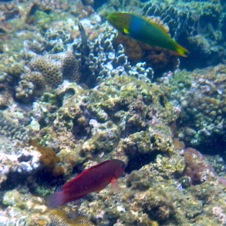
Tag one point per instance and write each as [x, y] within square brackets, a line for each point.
[45, 73]
[49, 68]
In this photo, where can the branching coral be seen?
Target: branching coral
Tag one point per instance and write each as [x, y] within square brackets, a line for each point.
[108, 108]
[104, 60]
[188, 19]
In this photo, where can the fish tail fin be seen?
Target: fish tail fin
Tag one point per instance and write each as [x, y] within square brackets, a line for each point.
[181, 51]
[55, 200]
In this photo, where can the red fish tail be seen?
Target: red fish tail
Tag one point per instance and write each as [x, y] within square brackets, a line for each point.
[55, 200]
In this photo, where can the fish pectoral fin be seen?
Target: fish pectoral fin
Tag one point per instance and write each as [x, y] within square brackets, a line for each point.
[114, 184]
[125, 31]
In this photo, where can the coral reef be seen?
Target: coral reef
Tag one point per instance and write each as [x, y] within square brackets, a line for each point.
[104, 59]
[186, 18]
[101, 124]
[159, 59]
[80, 101]
[8, 11]
[46, 72]
[17, 166]
[12, 128]
[49, 159]
[201, 97]
[146, 191]
[197, 169]
[49, 69]
[196, 25]
[20, 202]
[107, 55]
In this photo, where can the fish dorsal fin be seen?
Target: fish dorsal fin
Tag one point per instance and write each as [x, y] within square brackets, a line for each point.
[156, 24]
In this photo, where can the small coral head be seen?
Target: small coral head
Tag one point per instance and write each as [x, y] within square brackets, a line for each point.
[120, 21]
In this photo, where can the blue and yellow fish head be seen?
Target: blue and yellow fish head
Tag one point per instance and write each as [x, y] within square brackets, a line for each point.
[120, 21]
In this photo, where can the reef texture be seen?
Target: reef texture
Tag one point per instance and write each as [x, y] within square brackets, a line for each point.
[201, 123]
[70, 100]
[159, 59]
[123, 118]
[21, 162]
[196, 25]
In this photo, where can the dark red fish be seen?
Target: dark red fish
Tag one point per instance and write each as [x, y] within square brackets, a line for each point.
[93, 179]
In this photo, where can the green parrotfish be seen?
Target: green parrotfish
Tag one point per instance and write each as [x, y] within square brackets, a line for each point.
[144, 30]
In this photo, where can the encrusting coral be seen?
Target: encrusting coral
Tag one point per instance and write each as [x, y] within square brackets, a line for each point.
[201, 96]
[197, 169]
[11, 129]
